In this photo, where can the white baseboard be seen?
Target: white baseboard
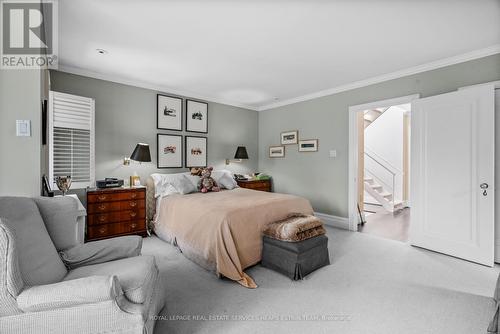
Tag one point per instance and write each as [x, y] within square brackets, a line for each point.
[334, 221]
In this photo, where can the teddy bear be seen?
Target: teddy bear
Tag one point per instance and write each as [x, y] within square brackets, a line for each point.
[207, 183]
[196, 171]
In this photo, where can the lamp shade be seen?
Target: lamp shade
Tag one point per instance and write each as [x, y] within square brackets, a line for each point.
[241, 153]
[141, 153]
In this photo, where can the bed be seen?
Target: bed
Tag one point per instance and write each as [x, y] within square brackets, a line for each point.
[221, 231]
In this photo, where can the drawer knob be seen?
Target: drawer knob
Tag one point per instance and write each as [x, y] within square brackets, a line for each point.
[133, 214]
[102, 230]
[102, 218]
[133, 195]
[134, 225]
[132, 204]
[102, 197]
[102, 207]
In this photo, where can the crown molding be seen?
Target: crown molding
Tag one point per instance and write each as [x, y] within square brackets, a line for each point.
[142, 84]
[494, 49]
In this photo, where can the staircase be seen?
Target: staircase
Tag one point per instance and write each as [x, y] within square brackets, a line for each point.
[372, 186]
[384, 197]
[372, 114]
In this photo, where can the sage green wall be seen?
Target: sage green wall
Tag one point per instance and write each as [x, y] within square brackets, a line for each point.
[321, 179]
[20, 98]
[126, 115]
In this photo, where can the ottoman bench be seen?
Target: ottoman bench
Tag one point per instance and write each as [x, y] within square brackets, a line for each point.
[295, 259]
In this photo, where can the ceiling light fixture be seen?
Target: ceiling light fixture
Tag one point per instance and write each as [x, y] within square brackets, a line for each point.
[101, 51]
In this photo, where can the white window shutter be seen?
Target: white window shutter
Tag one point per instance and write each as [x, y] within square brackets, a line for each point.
[71, 139]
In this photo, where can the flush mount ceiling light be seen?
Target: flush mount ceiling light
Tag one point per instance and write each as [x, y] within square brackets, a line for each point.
[101, 51]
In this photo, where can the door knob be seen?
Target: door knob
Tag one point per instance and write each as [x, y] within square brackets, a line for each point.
[484, 186]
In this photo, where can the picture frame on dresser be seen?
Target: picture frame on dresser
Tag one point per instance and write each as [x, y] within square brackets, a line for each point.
[168, 151]
[196, 116]
[168, 112]
[195, 151]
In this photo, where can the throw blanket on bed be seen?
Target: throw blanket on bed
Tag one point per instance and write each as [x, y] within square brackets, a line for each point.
[222, 231]
[296, 227]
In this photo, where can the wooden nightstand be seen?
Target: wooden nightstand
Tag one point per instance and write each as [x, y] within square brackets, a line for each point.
[115, 212]
[262, 185]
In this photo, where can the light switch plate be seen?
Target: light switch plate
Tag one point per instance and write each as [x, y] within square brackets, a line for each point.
[333, 153]
[23, 128]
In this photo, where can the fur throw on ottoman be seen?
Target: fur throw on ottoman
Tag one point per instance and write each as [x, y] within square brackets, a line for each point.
[296, 227]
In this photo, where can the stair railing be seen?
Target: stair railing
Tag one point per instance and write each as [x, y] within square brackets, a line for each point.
[393, 175]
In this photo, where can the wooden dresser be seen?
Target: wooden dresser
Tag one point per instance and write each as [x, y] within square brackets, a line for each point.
[262, 185]
[116, 212]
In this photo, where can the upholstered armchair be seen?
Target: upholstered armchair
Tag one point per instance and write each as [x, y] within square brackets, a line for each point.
[52, 283]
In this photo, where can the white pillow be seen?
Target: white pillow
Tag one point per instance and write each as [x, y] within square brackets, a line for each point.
[167, 184]
[224, 179]
[184, 186]
[195, 179]
[227, 182]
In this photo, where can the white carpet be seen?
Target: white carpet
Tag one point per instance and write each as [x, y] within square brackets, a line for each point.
[373, 286]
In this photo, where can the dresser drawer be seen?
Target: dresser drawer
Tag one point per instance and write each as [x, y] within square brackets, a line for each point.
[116, 206]
[103, 207]
[115, 217]
[119, 196]
[256, 185]
[106, 230]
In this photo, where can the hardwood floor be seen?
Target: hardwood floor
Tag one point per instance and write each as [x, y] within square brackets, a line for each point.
[388, 225]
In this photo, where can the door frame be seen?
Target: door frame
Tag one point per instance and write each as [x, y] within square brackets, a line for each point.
[353, 150]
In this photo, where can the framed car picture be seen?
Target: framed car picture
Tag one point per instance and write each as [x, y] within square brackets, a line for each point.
[169, 113]
[289, 137]
[169, 151]
[308, 145]
[276, 151]
[196, 151]
[196, 116]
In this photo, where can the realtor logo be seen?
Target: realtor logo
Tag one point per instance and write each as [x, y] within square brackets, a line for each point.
[28, 34]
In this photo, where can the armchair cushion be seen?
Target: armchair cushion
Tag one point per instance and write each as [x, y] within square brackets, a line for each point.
[80, 291]
[38, 260]
[102, 251]
[11, 283]
[59, 215]
[136, 275]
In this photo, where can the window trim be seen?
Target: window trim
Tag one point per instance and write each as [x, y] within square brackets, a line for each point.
[74, 185]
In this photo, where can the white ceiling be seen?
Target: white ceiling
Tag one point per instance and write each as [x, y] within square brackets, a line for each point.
[255, 53]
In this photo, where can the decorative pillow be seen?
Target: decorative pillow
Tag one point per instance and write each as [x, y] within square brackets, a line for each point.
[164, 183]
[184, 185]
[167, 184]
[195, 180]
[226, 181]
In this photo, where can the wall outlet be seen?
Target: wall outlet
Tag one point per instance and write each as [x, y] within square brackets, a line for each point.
[333, 153]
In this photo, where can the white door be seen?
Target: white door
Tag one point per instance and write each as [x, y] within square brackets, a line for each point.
[452, 150]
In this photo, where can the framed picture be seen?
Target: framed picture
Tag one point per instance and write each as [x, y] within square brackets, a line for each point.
[308, 145]
[196, 116]
[169, 112]
[276, 151]
[289, 137]
[196, 151]
[169, 151]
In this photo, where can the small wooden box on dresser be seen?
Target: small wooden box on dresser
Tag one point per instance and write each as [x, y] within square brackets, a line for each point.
[263, 185]
[115, 212]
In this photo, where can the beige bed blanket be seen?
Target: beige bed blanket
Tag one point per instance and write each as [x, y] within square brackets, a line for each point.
[223, 231]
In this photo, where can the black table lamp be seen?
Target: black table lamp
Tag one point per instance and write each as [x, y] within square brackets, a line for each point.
[241, 153]
[141, 153]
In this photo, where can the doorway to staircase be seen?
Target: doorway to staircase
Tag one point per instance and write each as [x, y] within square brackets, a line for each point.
[379, 162]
